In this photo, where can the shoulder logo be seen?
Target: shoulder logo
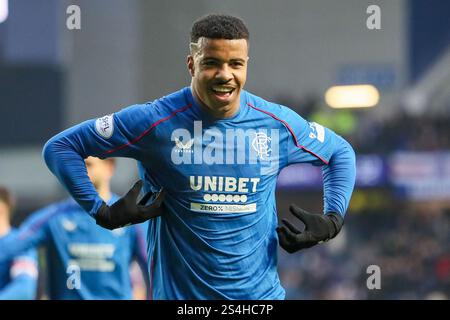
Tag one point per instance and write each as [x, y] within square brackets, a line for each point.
[317, 131]
[105, 126]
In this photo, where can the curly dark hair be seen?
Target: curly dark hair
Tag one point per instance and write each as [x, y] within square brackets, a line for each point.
[219, 26]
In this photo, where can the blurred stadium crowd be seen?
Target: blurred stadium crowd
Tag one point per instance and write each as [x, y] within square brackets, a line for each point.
[411, 250]
[403, 132]
[408, 239]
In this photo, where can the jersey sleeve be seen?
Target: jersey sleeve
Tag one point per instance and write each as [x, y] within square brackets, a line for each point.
[115, 135]
[310, 142]
[24, 277]
[32, 233]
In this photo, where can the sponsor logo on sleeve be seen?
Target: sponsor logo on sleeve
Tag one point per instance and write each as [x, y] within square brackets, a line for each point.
[317, 132]
[105, 126]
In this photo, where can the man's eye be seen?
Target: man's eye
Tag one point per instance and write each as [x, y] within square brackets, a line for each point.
[209, 63]
[237, 64]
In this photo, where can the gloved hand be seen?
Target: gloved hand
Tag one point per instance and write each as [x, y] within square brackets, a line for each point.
[126, 211]
[318, 228]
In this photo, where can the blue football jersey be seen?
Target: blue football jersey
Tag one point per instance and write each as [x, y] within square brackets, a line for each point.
[217, 237]
[19, 273]
[83, 260]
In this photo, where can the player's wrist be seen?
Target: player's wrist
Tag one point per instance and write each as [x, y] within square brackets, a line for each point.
[103, 216]
[335, 223]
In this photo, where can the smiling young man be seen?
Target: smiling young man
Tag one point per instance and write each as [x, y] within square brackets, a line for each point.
[216, 150]
[219, 70]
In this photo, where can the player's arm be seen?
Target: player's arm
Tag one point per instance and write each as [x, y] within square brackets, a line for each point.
[117, 135]
[32, 233]
[24, 277]
[313, 143]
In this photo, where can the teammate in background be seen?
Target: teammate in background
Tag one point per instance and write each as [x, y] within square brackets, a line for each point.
[18, 275]
[83, 260]
[216, 150]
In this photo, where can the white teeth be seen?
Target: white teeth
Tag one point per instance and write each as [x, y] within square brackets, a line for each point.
[222, 89]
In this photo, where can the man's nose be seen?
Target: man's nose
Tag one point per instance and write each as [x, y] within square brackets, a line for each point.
[224, 73]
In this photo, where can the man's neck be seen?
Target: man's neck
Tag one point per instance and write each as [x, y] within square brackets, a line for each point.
[104, 192]
[5, 227]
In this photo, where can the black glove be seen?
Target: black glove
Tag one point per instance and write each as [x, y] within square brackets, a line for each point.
[126, 211]
[318, 228]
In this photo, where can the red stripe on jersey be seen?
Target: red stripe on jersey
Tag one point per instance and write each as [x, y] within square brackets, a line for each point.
[147, 131]
[290, 130]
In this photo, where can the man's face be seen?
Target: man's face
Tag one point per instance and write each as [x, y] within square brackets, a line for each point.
[219, 70]
[99, 171]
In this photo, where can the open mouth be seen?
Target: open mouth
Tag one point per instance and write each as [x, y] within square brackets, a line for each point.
[222, 92]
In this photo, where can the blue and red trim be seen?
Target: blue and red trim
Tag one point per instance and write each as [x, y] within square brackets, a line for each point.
[148, 130]
[290, 130]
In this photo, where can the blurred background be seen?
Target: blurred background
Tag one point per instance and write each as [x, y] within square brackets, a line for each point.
[386, 90]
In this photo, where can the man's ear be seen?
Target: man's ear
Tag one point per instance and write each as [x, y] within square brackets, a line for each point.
[190, 65]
